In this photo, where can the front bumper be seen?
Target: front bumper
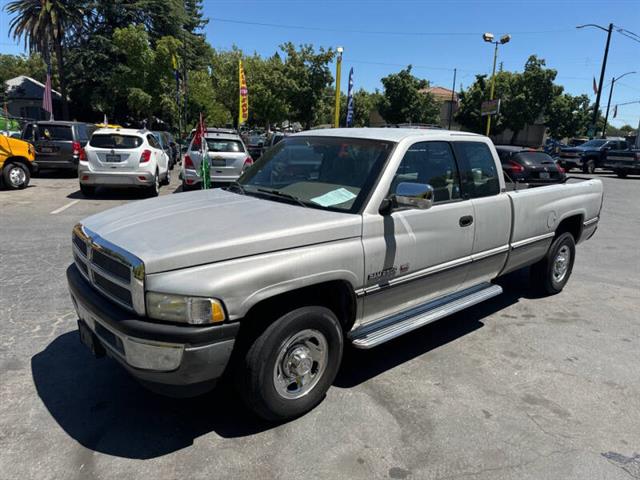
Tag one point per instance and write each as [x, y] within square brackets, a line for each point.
[153, 352]
[570, 162]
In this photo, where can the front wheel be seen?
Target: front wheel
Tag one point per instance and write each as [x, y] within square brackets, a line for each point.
[589, 166]
[16, 176]
[621, 173]
[552, 273]
[154, 189]
[289, 367]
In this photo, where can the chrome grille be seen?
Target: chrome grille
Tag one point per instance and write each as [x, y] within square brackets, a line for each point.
[112, 271]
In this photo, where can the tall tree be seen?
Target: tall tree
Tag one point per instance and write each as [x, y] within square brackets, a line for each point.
[405, 100]
[45, 24]
[568, 116]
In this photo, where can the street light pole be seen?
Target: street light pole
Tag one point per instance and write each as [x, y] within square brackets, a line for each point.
[493, 85]
[336, 117]
[594, 120]
[606, 117]
[488, 37]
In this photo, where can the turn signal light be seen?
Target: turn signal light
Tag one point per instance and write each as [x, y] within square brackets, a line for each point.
[247, 163]
[79, 151]
[146, 156]
[188, 163]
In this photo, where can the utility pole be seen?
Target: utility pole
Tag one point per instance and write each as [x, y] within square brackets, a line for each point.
[453, 95]
[594, 120]
[489, 38]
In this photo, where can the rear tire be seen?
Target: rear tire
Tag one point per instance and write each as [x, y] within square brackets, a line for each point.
[154, 189]
[15, 176]
[551, 274]
[621, 173]
[287, 368]
[167, 178]
[88, 190]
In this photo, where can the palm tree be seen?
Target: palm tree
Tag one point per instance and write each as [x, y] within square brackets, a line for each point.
[43, 24]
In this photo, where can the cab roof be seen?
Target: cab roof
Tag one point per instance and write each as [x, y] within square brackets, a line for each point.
[385, 134]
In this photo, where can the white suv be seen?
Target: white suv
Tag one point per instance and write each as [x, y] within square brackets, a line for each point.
[227, 156]
[123, 158]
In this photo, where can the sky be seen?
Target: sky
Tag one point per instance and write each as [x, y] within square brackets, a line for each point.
[380, 37]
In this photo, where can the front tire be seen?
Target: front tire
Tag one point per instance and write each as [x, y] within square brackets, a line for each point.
[16, 176]
[154, 189]
[551, 274]
[289, 367]
[589, 166]
[621, 173]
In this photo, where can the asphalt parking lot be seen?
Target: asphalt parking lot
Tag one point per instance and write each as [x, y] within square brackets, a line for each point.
[518, 387]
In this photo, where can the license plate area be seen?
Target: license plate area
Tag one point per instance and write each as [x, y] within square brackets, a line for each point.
[110, 158]
[218, 162]
[46, 149]
[544, 175]
[89, 340]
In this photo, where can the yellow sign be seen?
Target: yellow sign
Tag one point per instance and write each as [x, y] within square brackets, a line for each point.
[243, 110]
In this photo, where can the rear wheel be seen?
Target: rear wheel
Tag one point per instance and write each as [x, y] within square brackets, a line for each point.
[16, 176]
[154, 189]
[621, 173]
[552, 273]
[88, 190]
[288, 368]
[167, 178]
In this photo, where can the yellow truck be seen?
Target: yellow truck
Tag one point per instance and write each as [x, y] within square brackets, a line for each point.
[17, 162]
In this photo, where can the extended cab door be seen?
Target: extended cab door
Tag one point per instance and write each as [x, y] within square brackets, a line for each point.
[411, 255]
[483, 185]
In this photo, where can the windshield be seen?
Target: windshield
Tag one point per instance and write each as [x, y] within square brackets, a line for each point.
[323, 172]
[221, 145]
[115, 141]
[534, 158]
[594, 143]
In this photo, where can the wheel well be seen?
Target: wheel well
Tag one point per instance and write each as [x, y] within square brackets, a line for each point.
[20, 160]
[573, 225]
[338, 296]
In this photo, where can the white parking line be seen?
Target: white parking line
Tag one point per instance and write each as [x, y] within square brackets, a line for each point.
[64, 207]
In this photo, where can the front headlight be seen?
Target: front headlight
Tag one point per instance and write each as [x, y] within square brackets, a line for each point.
[178, 308]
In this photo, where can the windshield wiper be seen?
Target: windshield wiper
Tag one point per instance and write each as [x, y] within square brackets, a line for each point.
[235, 184]
[278, 193]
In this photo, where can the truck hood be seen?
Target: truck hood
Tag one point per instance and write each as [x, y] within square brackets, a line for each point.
[579, 149]
[196, 228]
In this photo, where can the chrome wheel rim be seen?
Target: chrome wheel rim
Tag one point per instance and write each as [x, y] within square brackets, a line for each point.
[17, 176]
[561, 263]
[300, 364]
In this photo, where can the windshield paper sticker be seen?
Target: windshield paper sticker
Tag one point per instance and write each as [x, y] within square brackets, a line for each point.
[335, 197]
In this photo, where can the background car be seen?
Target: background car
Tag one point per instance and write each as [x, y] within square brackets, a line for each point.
[165, 143]
[123, 158]
[525, 165]
[227, 156]
[590, 155]
[16, 163]
[58, 145]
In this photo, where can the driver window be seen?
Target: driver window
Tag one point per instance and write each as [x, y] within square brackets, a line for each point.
[431, 163]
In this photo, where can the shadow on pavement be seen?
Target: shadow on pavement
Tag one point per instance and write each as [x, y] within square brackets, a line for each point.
[99, 405]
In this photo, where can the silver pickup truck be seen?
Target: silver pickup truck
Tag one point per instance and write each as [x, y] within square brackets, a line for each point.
[333, 236]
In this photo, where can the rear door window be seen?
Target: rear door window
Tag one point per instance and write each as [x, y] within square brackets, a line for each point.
[479, 173]
[55, 132]
[115, 141]
[83, 134]
[153, 141]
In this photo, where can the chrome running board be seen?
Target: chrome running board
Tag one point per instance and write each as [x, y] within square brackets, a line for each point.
[380, 331]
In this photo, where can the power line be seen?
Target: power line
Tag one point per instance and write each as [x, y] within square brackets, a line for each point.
[370, 32]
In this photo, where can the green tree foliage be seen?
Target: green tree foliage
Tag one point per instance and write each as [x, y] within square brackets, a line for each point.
[404, 99]
[44, 25]
[12, 66]
[568, 116]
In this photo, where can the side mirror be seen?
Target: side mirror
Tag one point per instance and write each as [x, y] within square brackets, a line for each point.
[414, 195]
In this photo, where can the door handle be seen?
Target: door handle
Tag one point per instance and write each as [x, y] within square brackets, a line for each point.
[466, 221]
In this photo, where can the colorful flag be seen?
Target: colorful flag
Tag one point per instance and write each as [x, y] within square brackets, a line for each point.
[47, 103]
[615, 111]
[200, 141]
[243, 105]
[176, 74]
[595, 86]
[350, 100]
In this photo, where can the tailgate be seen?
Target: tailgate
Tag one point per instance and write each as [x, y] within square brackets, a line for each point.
[50, 151]
[102, 159]
[226, 163]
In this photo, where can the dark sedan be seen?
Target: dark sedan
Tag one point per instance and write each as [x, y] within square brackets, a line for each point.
[525, 165]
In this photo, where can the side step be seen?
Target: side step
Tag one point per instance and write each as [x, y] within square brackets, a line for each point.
[380, 331]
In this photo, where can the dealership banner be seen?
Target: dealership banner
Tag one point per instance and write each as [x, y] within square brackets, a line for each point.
[243, 111]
